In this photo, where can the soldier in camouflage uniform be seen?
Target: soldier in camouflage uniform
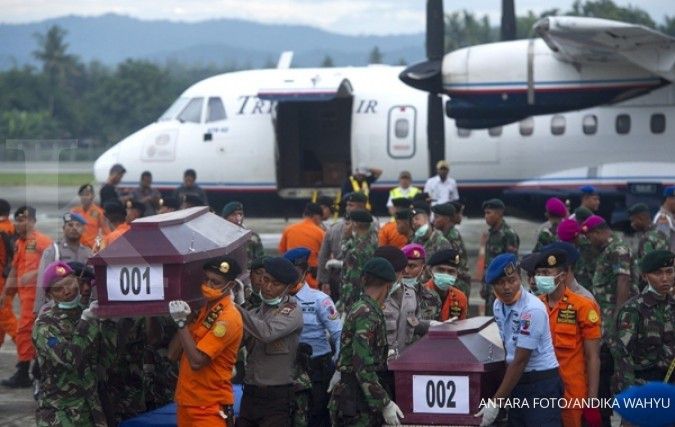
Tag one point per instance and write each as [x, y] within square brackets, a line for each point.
[358, 246]
[649, 238]
[644, 339]
[302, 386]
[444, 221]
[159, 373]
[556, 211]
[425, 235]
[63, 336]
[359, 398]
[500, 239]
[234, 212]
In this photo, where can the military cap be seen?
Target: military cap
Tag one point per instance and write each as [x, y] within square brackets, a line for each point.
[25, 211]
[114, 208]
[258, 263]
[494, 204]
[401, 202]
[55, 272]
[192, 200]
[581, 214]
[360, 215]
[528, 263]
[421, 197]
[502, 265]
[550, 258]
[588, 190]
[556, 207]
[458, 205]
[225, 266]
[404, 214]
[669, 191]
[414, 251]
[571, 251]
[81, 270]
[445, 209]
[117, 168]
[170, 202]
[298, 256]
[72, 216]
[356, 197]
[420, 207]
[281, 269]
[568, 230]
[326, 201]
[655, 260]
[404, 174]
[638, 208]
[380, 268]
[133, 204]
[85, 187]
[445, 257]
[593, 222]
[394, 255]
[232, 207]
[313, 209]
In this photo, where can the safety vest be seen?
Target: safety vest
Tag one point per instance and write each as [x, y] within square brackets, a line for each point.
[396, 193]
[361, 187]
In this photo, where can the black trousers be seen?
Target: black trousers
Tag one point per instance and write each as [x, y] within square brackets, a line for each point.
[269, 406]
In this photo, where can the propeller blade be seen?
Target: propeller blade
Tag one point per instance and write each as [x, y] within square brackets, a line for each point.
[508, 28]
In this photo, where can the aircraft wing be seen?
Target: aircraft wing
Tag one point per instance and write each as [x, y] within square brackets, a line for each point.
[584, 40]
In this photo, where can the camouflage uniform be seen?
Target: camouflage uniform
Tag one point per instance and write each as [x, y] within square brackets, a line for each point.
[359, 398]
[160, 374]
[433, 243]
[428, 306]
[649, 241]
[254, 248]
[499, 241]
[585, 265]
[464, 278]
[302, 386]
[644, 341]
[547, 235]
[68, 394]
[357, 250]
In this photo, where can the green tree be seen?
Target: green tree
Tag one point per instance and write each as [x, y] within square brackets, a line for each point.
[607, 9]
[327, 62]
[668, 26]
[375, 56]
[464, 29]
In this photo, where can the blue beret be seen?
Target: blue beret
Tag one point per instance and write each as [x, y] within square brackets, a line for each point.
[503, 264]
[298, 255]
[570, 249]
[588, 189]
[669, 191]
[72, 216]
[647, 416]
[281, 269]
[231, 207]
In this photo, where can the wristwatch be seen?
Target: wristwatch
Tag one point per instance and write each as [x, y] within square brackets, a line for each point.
[180, 323]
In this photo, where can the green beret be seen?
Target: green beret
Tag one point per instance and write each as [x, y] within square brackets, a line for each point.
[380, 268]
[360, 216]
[581, 214]
[232, 207]
[655, 260]
[356, 198]
[420, 207]
[404, 214]
[445, 209]
[494, 204]
[638, 208]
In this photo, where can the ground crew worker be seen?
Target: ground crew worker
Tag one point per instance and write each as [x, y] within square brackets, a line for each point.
[665, 217]
[444, 268]
[109, 192]
[445, 215]
[360, 182]
[556, 211]
[22, 279]
[644, 337]
[306, 234]
[208, 348]
[272, 333]
[8, 322]
[389, 234]
[321, 322]
[500, 238]
[358, 396]
[147, 195]
[649, 238]
[428, 301]
[425, 234]
[69, 249]
[532, 368]
[441, 188]
[405, 190]
[64, 336]
[234, 213]
[190, 188]
[95, 227]
[576, 332]
[116, 215]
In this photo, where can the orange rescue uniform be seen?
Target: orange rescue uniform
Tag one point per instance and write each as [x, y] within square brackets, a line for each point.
[389, 236]
[27, 260]
[304, 234]
[8, 322]
[455, 303]
[115, 234]
[574, 319]
[96, 224]
[201, 394]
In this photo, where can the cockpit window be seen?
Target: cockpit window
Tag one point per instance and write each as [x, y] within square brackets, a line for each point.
[175, 109]
[215, 110]
[192, 112]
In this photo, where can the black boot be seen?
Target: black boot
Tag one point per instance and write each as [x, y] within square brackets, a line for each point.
[20, 379]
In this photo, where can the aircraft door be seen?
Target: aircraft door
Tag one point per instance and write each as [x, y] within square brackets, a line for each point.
[401, 133]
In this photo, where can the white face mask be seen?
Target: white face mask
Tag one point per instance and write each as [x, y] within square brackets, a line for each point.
[409, 281]
[422, 231]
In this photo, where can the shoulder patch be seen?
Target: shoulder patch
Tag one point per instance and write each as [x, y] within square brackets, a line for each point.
[219, 329]
[52, 342]
[593, 316]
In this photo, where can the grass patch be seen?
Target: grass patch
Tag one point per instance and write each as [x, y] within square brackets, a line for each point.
[13, 179]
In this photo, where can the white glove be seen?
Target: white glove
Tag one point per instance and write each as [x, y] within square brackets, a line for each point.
[391, 414]
[446, 322]
[334, 263]
[89, 313]
[489, 413]
[179, 311]
[334, 380]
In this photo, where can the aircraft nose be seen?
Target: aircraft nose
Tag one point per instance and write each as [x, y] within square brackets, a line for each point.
[104, 162]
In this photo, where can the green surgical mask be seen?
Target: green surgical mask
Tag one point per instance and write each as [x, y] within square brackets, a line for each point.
[409, 281]
[394, 288]
[69, 305]
[422, 231]
[443, 280]
[272, 301]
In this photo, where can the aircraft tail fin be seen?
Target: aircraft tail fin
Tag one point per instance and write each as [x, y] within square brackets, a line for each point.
[285, 60]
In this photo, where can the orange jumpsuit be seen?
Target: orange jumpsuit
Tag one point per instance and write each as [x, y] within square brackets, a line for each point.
[26, 260]
[575, 319]
[304, 234]
[115, 234]
[455, 303]
[200, 394]
[8, 322]
[96, 224]
[389, 236]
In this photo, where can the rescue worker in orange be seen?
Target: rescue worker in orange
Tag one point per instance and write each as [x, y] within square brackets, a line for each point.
[208, 348]
[8, 322]
[22, 279]
[389, 234]
[306, 234]
[96, 227]
[575, 330]
[134, 210]
[444, 267]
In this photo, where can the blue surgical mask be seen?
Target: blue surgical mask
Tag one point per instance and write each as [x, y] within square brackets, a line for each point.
[69, 305]
[443, 281]
[545, 284]
[410, 282]
[422, 231]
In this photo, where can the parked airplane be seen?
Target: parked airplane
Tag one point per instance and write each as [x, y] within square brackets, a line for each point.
[590, 102]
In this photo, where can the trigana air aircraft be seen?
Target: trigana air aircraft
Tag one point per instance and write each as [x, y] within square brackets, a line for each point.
[589, 101]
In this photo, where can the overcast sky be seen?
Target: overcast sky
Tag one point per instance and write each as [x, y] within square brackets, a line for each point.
[343, 16]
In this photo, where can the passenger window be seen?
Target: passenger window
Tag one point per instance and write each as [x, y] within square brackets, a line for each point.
[590, 124]
[622, 124]
[495, 131]
[401, 128]
[463, 132]
[215, 110]
[657, 123]
[192, 112]
[558, 123]
[527, 126]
